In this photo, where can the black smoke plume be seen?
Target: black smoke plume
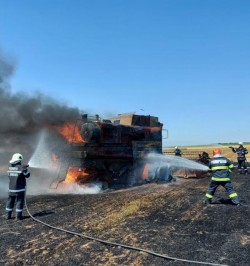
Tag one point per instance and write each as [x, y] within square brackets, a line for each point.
[23, 117]
[21, 113]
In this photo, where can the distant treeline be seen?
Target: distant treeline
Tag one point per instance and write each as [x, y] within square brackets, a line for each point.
[232, 143]
[212, 144]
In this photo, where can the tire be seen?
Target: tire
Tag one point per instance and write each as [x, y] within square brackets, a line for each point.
[163, 174]
[90, 132]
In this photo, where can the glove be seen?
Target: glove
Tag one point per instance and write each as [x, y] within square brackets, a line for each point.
[233, 149]
[25, 167]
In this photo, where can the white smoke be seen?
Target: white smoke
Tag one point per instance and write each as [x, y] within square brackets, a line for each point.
[3, 186]
[74, 188]
[45, 172]
[43, 181]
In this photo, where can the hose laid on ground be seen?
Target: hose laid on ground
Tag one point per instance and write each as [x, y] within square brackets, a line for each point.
[119, 245]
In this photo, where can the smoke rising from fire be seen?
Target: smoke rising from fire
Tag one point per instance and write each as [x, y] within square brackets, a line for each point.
[23, 117]
[22, 113]
[40, 184]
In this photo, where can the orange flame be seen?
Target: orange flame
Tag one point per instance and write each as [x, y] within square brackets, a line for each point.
[70, 132]
[73, 174]
[145, 172]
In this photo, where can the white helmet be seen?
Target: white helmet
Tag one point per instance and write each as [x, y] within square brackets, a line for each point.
[17, 157]
[176, 147]
[240, 143]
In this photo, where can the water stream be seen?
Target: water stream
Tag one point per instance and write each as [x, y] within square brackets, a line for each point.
[41, 158]
[170, 161]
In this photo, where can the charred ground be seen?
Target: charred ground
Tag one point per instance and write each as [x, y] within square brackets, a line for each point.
[167, 219]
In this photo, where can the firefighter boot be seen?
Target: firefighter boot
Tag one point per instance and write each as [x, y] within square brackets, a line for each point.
[207, 201]
[8, 215]
[19, 216]
[235, 201]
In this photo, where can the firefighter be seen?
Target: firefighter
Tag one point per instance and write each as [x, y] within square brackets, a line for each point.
[241, 157]
[177, 151]
[220, 167]
[17, 181]
[204, 158]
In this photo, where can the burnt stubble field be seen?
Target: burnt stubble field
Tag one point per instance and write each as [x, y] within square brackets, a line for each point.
[167, 219]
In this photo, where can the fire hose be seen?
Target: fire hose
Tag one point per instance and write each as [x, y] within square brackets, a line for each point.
[118, 244]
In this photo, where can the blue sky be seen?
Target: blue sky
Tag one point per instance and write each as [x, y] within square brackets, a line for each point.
[186, 61]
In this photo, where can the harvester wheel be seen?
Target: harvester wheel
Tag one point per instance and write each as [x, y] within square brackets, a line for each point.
[163, 174]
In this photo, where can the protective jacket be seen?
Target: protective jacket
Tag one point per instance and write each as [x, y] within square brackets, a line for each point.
[177, 152]
[220, 167]
[17, 178]
[241, 152]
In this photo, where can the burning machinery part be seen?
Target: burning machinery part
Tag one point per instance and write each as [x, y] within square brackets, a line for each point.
[112, 151]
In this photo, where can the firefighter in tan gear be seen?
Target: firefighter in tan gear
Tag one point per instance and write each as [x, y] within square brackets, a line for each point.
[220, 167]
[17, 174]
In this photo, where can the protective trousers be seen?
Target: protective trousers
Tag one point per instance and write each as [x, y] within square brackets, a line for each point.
[227, 185]
[19, 199]
[242, 165]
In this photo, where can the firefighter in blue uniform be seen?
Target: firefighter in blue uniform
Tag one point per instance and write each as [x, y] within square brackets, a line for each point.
[220, 167]
[17, 182]
[241, 157]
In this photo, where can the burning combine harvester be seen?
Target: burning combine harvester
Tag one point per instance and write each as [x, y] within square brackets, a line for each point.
[112, 151]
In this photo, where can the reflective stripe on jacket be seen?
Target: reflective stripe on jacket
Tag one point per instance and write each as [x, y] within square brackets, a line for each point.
[221, 168]
[17, 177]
